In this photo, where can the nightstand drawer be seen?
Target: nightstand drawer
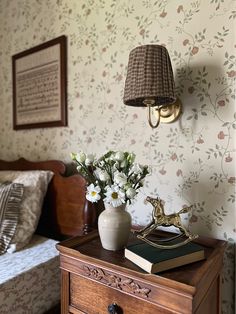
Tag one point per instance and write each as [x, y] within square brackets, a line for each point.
[91, 297]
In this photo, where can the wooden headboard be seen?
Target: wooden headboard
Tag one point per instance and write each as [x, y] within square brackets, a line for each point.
[66, 212]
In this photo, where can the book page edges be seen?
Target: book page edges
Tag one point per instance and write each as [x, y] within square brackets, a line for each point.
[139, 261]
[178, 261]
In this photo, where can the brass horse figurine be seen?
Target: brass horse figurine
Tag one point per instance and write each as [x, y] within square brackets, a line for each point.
[159, 218]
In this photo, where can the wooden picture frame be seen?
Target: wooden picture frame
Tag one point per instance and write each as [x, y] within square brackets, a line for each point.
[39, 78]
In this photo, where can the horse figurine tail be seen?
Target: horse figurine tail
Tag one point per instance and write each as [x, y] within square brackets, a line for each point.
[185, 210]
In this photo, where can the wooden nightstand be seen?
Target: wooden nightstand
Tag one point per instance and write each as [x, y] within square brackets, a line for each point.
[94, 279]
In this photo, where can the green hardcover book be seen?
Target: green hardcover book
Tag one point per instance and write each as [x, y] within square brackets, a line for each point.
[154, 260]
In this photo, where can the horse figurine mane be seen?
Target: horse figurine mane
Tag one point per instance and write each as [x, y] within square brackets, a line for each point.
[159, 218]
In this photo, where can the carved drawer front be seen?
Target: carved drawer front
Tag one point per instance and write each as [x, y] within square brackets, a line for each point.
[92, 297]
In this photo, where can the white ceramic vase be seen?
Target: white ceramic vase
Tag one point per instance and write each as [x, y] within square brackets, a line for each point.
[114, 225]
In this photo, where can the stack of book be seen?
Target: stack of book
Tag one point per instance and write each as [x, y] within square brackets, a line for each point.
[155, 260]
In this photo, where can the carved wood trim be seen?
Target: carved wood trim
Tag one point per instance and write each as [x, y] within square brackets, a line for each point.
[124, 284]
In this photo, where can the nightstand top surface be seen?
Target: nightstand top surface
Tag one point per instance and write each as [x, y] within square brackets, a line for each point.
[89, 248]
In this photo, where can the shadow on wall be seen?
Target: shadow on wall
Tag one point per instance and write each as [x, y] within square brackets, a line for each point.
[207, 168]
[197, 88]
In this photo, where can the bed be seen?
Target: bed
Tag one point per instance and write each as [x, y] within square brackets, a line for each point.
[30, 275]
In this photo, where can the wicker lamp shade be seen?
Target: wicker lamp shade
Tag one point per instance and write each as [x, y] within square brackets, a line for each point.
[149, 76]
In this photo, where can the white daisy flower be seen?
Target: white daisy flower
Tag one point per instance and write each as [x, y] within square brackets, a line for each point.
[89, 160]
[120, 178]
[130, 193]
[119, 156]
[92, 194]
[80, 157]
[136, 169]
[114, 196]
[103, 176]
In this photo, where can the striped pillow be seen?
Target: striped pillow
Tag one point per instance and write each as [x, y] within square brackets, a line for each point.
[10, 199]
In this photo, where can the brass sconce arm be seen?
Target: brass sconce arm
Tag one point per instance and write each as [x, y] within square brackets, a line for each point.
[164, 114]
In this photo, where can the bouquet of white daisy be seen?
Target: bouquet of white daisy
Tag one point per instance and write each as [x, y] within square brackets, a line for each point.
[114, 177]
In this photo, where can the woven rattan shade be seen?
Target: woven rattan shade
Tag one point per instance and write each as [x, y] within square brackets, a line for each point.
[149, 76]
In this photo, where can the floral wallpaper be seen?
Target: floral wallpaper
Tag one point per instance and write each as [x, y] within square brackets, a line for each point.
[193, 160]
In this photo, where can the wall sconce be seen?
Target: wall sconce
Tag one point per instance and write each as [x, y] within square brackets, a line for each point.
[150, 83]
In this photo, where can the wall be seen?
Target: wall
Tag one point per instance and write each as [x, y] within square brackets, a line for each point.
[192, 160]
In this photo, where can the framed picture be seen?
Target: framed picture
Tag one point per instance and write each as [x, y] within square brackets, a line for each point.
[39, 86]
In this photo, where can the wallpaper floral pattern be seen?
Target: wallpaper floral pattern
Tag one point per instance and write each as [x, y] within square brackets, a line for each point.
[193, 159]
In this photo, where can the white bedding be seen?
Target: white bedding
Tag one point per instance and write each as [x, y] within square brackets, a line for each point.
[30, 278]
